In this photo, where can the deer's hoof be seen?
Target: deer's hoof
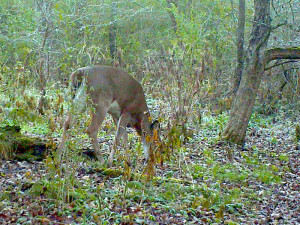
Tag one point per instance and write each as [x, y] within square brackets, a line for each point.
[109, 164]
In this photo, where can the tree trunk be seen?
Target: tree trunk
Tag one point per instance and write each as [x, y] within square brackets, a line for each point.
[240, 46]
[243, 104]
[113, 31]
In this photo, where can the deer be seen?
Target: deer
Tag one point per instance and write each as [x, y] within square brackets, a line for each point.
[112, 91]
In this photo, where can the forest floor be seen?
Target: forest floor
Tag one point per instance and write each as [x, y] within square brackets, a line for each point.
[205, 181]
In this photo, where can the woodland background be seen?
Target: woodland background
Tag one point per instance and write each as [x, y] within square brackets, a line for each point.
[183, 52]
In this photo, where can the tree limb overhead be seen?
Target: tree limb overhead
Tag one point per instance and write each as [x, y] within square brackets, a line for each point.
[282, 53]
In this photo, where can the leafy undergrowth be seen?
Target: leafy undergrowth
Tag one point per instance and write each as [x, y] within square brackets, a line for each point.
[204, 181]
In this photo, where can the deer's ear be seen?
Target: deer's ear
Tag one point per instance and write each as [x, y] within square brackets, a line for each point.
[155, 125]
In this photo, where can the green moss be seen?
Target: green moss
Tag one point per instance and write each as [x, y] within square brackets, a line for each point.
[297, 131]
[288, 48]
[29, 156]
[111, 172]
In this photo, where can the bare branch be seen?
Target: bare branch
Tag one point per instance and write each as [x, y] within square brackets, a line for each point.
[279, 25]
[279, 64]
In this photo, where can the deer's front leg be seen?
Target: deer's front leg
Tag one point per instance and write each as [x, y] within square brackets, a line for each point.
[145, 147]
[121, 133]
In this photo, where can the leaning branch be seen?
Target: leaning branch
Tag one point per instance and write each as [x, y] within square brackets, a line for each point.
[282, 53]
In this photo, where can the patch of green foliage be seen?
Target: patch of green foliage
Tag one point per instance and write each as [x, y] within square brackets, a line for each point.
[229, 173]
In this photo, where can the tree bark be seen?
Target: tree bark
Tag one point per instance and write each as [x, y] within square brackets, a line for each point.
[240, 46]
[245, 97]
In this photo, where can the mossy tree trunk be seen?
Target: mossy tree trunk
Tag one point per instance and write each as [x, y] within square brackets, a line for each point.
[243, 104]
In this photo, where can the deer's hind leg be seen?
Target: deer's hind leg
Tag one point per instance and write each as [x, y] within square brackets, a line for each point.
[98, 115]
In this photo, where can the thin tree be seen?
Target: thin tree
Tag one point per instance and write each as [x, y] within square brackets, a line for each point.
[113, 31]
[44, 28]
[240, 46]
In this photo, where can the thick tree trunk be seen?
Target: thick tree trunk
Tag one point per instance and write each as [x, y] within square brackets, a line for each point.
[245, 98]
[240, 46]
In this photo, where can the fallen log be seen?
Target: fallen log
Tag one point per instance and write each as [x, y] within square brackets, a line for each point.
[15, 145]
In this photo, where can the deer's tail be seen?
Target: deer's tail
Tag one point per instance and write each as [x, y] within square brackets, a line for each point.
[76, 80]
